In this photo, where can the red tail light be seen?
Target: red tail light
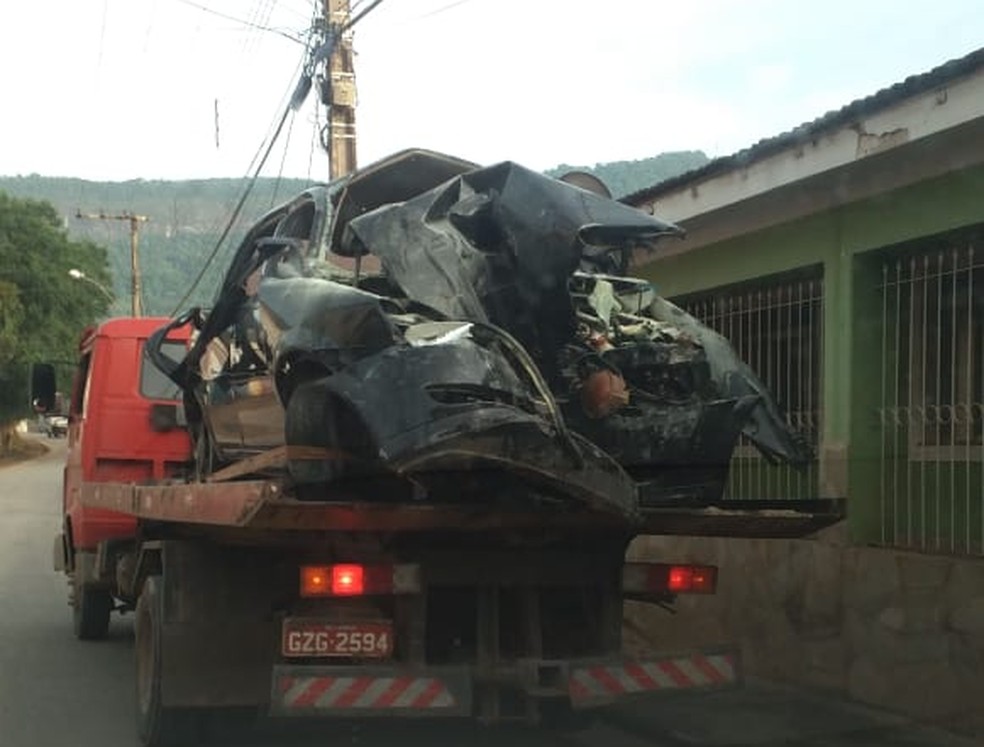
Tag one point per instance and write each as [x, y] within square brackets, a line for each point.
[643, 578]
[353, 579]
[679, 578]
[347, 580]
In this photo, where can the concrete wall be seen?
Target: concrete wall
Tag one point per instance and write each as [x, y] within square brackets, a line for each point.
[898, 630]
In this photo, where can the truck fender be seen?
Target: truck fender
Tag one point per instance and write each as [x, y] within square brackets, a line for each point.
[149, 563]
[68, 545]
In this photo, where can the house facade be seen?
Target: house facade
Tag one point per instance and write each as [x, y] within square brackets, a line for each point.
[845, 262]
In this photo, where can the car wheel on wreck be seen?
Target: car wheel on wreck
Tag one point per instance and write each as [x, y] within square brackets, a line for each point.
[326, 440]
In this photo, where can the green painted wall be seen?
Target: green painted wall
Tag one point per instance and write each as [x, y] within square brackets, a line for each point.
[929, 207]
[838, 239]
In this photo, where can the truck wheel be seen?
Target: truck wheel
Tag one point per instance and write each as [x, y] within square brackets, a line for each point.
[91, 608]
[157, 725]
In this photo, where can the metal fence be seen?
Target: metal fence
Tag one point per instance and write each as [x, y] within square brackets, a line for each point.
[776, 327]
[932, 390]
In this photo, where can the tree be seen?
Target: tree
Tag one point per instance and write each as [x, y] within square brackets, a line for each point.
[42, 308]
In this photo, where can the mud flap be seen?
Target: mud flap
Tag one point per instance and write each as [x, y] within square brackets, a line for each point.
[348, 692]
[217, 646]
[603, 683]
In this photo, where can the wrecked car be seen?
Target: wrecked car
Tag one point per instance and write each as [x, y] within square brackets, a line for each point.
[426, 329]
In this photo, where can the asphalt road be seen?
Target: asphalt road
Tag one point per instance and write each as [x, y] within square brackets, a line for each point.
[55, 690]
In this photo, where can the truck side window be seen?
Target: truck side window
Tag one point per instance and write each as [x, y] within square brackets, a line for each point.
[80, 384]
[153, 383]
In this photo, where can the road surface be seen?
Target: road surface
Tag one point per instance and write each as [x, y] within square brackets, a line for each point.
[55, 690]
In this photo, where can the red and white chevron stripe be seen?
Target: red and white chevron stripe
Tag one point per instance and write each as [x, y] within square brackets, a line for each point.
[608, 681]
[336, 692]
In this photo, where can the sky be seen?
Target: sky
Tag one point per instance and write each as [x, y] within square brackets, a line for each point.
[127, 89]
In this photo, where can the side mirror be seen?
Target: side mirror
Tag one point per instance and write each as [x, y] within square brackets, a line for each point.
[43, 388]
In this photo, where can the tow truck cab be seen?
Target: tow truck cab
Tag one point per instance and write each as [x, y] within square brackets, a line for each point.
[122, 428]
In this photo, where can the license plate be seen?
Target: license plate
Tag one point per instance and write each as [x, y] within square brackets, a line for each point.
[373, 640]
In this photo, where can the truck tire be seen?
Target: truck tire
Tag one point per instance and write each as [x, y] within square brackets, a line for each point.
[91, 608]
[157, 725]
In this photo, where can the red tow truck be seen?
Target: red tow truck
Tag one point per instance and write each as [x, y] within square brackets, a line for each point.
[245, 596]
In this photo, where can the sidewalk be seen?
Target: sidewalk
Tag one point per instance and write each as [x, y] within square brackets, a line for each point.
[767, 714]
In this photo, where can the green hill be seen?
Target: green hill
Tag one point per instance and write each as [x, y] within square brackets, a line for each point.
[625, 177]
[186, 218]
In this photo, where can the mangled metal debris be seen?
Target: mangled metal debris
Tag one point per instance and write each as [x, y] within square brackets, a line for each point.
[427, 326]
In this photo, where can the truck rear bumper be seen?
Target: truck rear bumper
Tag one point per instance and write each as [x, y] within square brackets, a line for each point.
[373, 691]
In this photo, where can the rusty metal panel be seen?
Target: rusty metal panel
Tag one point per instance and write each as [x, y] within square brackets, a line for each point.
[224, 504]
[365, 516]
[262, 505]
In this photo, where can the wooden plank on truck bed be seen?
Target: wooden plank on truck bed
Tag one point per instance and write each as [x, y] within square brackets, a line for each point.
[274, 459]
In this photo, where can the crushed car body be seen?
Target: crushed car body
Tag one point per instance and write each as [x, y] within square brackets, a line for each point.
[426, 329]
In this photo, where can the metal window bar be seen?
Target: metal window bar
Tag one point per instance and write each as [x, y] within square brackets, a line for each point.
[776, 328]
[931, 409]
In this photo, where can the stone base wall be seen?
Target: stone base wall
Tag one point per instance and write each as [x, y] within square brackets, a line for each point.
[900, 630]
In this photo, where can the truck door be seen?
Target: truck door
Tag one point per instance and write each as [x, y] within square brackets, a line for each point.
[74, 473]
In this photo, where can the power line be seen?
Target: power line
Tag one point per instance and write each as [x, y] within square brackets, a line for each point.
[283, 158]
[315, 53]
[436, 11]
[362, 14]
[287, 7]
[261, 18]
[315, 133]
[102, 35]
[316, 120]
[258, 160]
[235, 213]
[251, 20]
[250, 24]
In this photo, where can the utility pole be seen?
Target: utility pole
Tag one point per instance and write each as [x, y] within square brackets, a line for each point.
[339, 93]
[134, 220]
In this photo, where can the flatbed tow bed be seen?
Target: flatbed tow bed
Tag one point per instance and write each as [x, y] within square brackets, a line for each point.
[266, 504]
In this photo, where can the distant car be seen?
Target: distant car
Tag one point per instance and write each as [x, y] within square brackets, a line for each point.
[56, 426]
[464, 330]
